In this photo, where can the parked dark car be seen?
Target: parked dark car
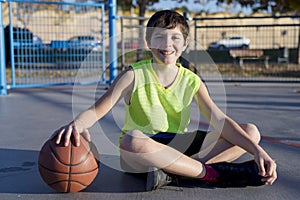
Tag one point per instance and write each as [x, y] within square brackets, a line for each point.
[86, 42]
[23, 41]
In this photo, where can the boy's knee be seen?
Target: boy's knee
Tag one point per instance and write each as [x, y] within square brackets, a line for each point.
[134, 141]
[133, 147]
[252, 131]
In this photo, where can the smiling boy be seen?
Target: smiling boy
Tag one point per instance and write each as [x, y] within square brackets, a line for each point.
[158, 94]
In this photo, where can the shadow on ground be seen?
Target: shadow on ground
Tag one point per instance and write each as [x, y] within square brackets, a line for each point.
[19, 174]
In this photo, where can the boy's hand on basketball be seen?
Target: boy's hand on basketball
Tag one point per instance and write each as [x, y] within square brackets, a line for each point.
[65, 133]
[267, 167]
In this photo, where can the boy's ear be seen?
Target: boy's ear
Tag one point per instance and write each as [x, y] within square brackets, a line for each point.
[186, 44]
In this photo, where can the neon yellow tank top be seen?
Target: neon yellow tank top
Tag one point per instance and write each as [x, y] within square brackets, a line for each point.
[153, 108]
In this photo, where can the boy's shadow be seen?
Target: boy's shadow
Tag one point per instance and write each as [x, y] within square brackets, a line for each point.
[19, 174]
[114, 181]
[110, 180]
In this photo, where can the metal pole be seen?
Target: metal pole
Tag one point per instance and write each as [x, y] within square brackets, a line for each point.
[10, 41]
[123, 45]
[103, 44]
[195, 35]
[112, 13]
[3, 87]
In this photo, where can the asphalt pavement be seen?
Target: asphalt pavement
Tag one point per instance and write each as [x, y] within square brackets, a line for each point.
[29, 116]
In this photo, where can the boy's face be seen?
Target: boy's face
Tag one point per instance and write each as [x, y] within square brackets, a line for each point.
[167, 45]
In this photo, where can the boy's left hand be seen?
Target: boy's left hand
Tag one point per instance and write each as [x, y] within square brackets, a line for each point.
[267, 167]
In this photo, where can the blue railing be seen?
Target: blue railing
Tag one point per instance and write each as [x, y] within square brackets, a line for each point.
[3, 86]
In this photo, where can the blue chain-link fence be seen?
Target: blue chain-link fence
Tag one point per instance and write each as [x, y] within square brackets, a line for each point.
[51, 43]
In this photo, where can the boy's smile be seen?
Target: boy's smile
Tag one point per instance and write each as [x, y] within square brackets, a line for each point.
[166, 52]
[167, 45]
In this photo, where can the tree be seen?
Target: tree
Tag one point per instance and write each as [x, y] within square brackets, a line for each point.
[142, 7]
[281, 6]
[141, 4]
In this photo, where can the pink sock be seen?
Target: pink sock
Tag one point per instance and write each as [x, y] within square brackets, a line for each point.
[211, 174]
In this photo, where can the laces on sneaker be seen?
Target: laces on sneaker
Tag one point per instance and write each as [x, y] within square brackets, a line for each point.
[175, 179]
[157, 179]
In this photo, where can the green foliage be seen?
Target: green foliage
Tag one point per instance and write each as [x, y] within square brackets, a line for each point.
[276, 6]
[127, 4]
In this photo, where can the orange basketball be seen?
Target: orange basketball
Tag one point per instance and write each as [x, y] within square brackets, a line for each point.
[70, 168]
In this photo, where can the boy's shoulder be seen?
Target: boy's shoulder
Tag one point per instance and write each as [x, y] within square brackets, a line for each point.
[186, 71]
[190, 77]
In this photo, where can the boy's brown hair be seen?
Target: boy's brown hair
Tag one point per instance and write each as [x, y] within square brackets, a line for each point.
[168, 19]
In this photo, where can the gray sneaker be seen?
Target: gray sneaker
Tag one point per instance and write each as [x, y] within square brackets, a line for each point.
[157, 178]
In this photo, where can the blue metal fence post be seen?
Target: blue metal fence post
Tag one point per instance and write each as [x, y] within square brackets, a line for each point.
[3, 88]
[113, 69]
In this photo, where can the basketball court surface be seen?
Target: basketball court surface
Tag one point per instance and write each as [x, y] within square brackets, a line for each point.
[29, 116]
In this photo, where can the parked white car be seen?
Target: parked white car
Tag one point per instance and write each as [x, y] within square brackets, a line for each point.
[234, 41]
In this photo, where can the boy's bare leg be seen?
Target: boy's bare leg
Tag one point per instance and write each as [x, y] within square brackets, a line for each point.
[224, 150]
[140, 151]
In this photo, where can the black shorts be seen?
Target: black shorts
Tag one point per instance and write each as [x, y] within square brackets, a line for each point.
[188, 143]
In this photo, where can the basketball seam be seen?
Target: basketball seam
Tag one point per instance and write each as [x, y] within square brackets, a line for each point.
[59, 160]
[51, 170]
[68, 181]
[70, 169]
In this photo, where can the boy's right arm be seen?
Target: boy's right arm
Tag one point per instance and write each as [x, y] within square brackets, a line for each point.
[121, 87]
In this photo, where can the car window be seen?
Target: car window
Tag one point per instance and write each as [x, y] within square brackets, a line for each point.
[86, 38]
[22, 36]
[236, 38]
[74, 39]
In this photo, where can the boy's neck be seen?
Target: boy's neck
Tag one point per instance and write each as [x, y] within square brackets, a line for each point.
[166, 74]
[162, 67]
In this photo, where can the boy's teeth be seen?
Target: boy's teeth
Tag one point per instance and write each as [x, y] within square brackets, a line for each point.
[166, 52]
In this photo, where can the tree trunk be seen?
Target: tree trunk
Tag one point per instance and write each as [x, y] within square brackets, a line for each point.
[298, 49]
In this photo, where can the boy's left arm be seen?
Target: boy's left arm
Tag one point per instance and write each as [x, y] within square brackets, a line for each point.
[234, 134]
